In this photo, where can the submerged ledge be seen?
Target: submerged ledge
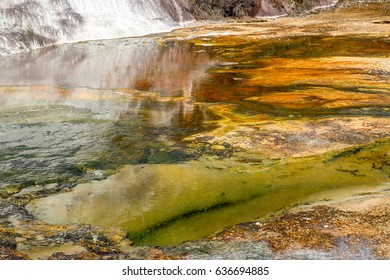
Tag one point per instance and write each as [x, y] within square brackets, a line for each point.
[353, 228]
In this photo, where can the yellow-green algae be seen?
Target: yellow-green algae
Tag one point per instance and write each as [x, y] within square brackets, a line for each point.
[168, 204]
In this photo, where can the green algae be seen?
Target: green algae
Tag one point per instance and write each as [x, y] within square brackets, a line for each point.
[168, 204]
[277, 188]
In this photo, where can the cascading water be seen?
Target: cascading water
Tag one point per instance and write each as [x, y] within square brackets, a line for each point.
[29, 24]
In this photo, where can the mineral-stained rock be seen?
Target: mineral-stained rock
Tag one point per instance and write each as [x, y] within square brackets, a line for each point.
[361, 231]
[11, 254]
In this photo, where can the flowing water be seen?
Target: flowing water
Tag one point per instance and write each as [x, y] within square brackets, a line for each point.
[27, 25]
[178, 141]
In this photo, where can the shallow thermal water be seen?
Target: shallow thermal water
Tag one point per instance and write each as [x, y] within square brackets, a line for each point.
[166, 204]
[151, 111]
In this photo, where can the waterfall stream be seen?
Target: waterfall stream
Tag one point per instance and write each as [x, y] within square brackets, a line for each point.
[27, 24]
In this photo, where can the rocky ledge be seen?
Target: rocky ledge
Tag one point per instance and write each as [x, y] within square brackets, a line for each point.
[354, 228]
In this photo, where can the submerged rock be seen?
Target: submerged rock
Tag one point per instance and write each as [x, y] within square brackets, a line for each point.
[355, 228]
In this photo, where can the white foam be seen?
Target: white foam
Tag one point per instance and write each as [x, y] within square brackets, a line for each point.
[28, 25]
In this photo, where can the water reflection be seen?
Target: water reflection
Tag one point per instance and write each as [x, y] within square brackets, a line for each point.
[111, 76]
[131, 63]
[133, 96]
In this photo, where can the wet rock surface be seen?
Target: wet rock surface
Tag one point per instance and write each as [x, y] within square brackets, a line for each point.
[334, 105]
[327, 231]
[324, 231]
[216, 9]
[20, 232]
[38, 145]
